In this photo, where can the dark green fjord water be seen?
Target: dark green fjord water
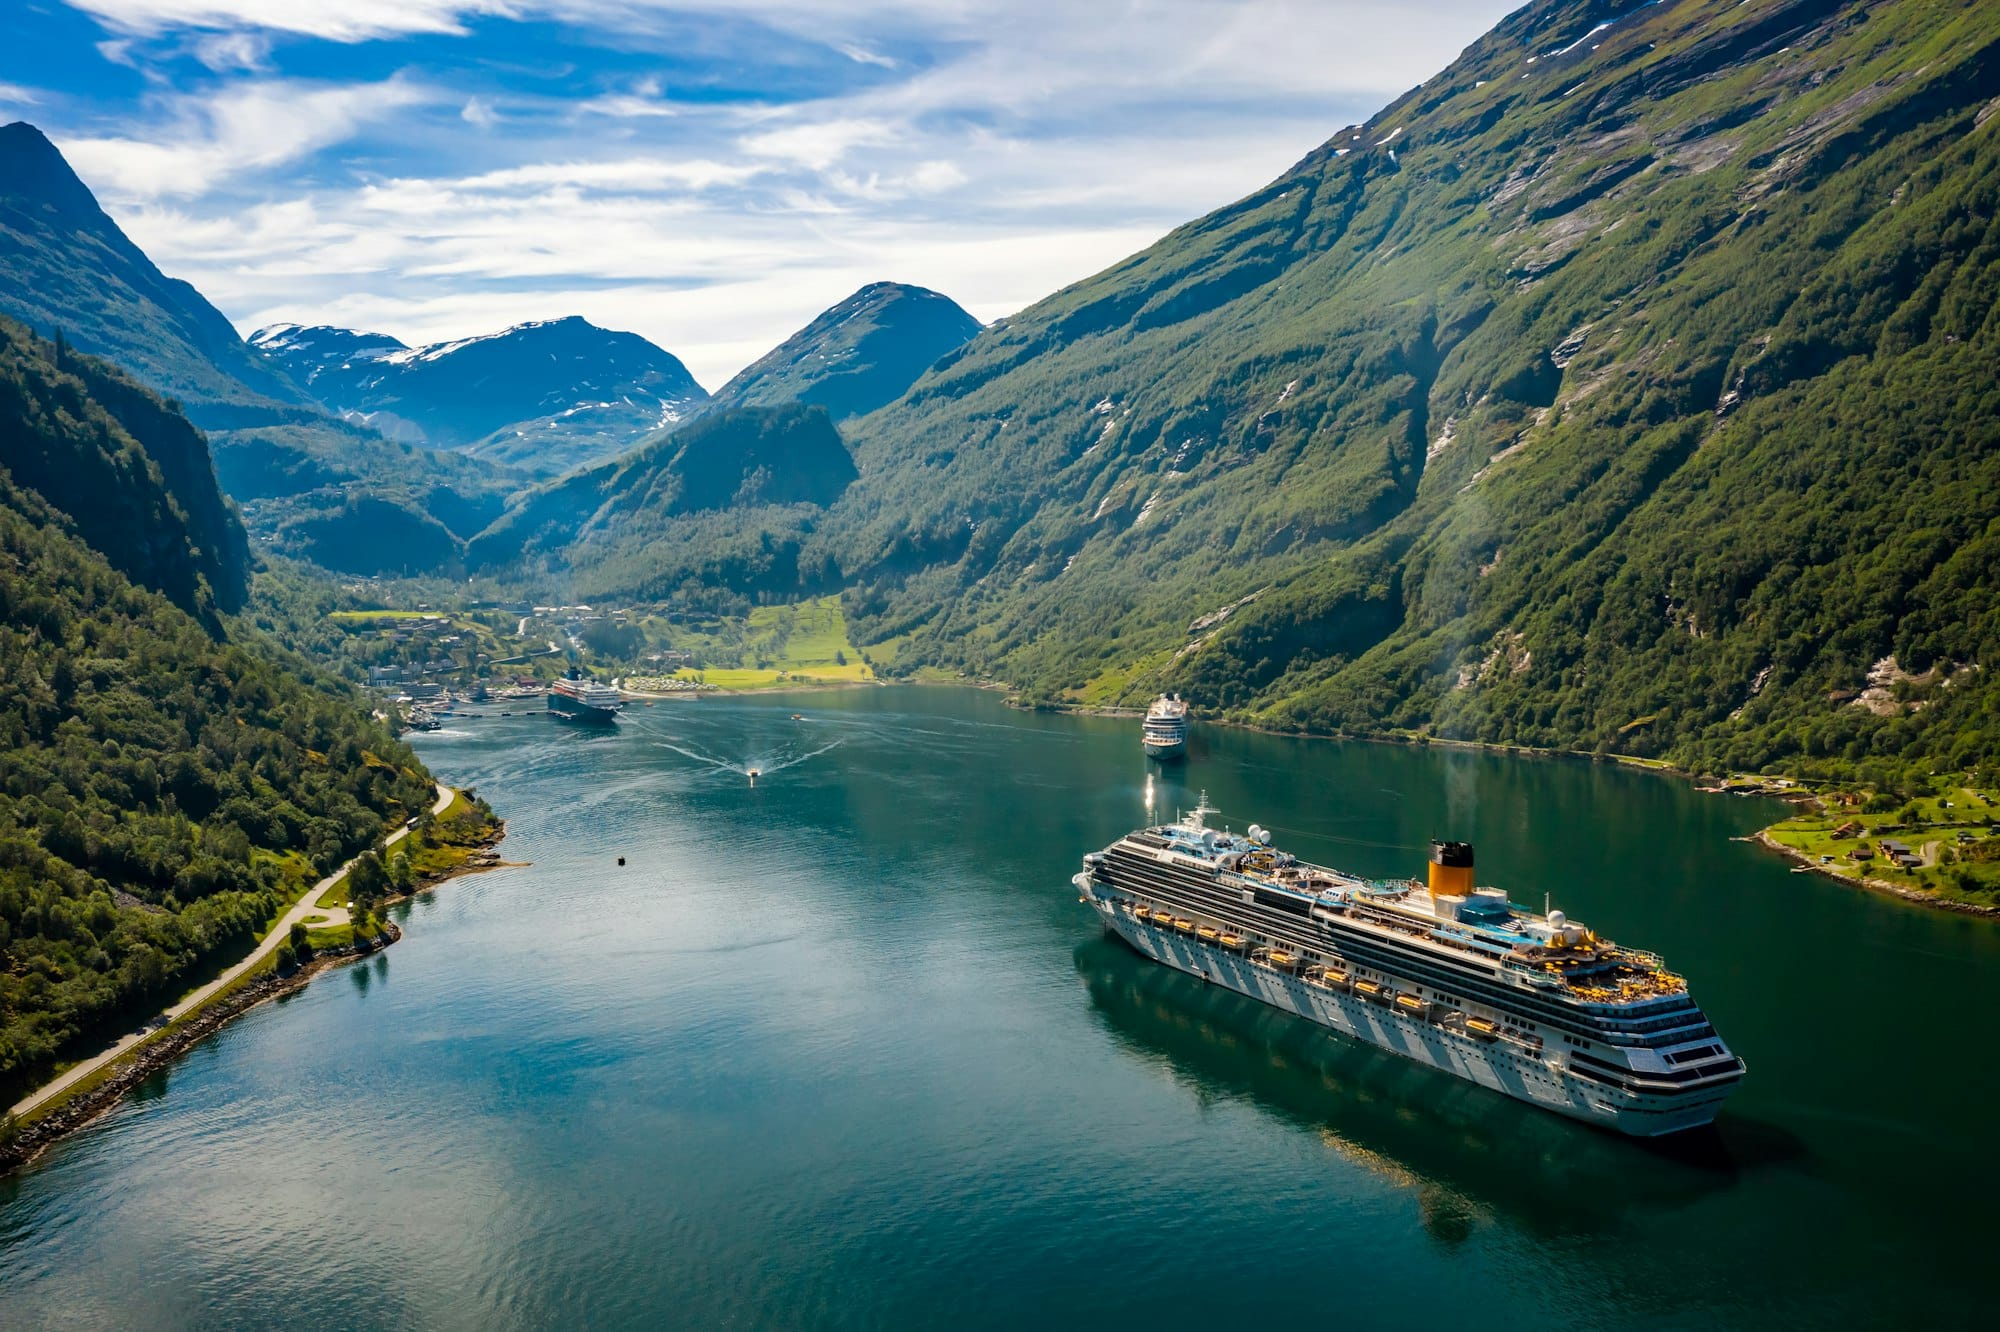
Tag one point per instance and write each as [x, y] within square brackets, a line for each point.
[843, 1050]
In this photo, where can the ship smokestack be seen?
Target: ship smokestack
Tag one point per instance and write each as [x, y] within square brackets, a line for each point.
[1451, 869]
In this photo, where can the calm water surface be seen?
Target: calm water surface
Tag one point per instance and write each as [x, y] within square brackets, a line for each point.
[842, 1049]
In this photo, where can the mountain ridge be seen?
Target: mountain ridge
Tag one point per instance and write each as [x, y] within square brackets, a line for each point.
[723, 503]
[66, 266]
[857, 355]
[67, 269]
[543, 395]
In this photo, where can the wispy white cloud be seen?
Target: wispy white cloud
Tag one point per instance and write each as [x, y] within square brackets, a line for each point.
[817, 144]
[13, 94]
[632, 175]
[993, 149]
[646, 99]
[226, 52]
[861, 55]
[334, 20]
[197, 143]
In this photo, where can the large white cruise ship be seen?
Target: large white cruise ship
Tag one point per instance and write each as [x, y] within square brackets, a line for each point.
[1449, 974]
[1164, 734]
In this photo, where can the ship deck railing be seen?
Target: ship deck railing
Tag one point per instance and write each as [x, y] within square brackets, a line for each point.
[1574, 979]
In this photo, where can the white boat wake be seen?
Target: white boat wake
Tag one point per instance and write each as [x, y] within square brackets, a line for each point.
[762, 767]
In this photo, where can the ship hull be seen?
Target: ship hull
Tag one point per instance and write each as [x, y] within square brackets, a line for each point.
[1166, 749]
[1499, 1065]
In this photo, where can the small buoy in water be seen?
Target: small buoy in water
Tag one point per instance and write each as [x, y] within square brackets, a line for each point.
[621, 860]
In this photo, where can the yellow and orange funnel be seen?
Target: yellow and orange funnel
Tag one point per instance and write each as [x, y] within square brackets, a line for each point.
[1451, 869]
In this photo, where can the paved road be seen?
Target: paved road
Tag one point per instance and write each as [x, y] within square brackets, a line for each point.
[306, 909]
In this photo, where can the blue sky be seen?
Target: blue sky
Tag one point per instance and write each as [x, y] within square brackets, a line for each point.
[710, 175]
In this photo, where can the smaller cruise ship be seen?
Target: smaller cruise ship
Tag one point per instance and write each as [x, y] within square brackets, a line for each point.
[575, 698]
[1165, 732]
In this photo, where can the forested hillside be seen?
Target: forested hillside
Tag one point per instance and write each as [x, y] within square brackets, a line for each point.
[1627, 385]
[128, 471]
[722, 505]
[161, 790]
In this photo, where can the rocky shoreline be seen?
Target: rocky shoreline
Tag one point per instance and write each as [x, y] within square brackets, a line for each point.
[44, 1132]
[87, 1105]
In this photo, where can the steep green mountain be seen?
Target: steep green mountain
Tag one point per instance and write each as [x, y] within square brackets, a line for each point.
[542, 397]
[129, 472]
[161, 790]
[366, 534]
[66, 269]
[858, 355]
[65, 266]
[723, 503]
[296, 459]
[1628, 384]
[347, 499]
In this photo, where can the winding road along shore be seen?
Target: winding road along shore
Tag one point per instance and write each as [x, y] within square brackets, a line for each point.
[306, 910]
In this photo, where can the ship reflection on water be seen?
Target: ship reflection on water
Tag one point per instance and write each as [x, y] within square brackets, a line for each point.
[1470, 1155]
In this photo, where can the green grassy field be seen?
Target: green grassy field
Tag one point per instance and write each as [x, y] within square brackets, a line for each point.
[780, 647]
[1953, 831]
[739, 680]
[889, 650]
[372, 616]
[1106, 688]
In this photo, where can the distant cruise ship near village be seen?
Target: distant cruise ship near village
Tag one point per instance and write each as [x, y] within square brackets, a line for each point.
[577, 699]
[1448, 974]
